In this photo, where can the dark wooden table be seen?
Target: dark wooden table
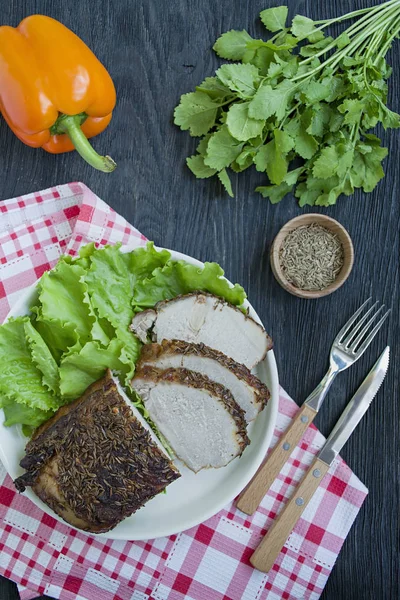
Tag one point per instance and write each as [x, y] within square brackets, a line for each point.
[156, 50]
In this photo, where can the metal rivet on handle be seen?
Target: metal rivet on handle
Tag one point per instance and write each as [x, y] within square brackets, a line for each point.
[304, 419]
[316, 473]
[299, 501]
[286, 445]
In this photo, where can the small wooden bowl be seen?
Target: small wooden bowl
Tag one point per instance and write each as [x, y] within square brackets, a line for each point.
[328, 223]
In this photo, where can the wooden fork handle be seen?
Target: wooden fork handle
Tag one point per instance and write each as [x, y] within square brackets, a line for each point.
[268, 550]
[252, 495]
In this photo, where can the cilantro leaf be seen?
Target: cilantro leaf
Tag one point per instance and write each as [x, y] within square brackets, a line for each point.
[266, 102]
[257, 44]
[343, 40]
[198, 167]
[222, 149]
[261, 57]
[303, 27]
[284, 142]
[240, 78]
[274, 70]
[315, 92]
[226, 182]
[286, 89]
[319, 117]
[311, 49]
[292, 177]
[241, 125]
[367, 169]
[327, 163]
[245, 158]
[214, 88]
[232, 44]
[274, 19]
[272, 157]
[275, 193]
[202, 145]
[353, 110]
[346, 158]
[315, 191]
[306, 145]
[390, 119]
[196, 112]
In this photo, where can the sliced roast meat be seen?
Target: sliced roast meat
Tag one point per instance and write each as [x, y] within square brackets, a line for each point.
[207, 319]
[144, 321]
[249, 392]
[199, 418]
[97, 460]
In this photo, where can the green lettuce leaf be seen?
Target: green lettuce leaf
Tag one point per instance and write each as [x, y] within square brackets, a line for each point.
[181, 277]
[66, 305]
[81, 369]
[20, 379]
[63, 299]
[15, 413]
[42, 358]
[61, 338]
[109, 286]
[143, 261]
[129, 354]
[112, 276]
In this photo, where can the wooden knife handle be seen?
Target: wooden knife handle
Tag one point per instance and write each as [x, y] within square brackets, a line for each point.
[268, 550]
[252, 495]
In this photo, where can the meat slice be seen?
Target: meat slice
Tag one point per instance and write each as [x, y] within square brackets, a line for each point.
[207, 319]
[144, 321]
[248, 391]
[96, 461]
[198, 417]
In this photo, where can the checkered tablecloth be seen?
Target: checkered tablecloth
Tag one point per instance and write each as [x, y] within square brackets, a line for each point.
[208, 562]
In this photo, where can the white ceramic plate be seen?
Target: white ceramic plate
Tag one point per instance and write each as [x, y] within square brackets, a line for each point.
[191, 499]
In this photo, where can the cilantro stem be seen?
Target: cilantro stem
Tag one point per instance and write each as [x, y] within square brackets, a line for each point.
[362, 47]
[354, 14]
[291, 111]
[385, 48]
[336, 58]
[364, 23]
[366, 35]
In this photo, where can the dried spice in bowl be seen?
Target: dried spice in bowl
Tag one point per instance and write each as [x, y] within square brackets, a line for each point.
[311, 257]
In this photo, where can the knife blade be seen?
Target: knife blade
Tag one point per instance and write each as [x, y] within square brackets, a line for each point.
[266, 553]
[355, 410]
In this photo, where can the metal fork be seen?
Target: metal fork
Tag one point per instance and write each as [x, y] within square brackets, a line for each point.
[349, 344]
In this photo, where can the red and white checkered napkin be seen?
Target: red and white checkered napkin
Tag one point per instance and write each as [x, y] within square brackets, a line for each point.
[208, 562]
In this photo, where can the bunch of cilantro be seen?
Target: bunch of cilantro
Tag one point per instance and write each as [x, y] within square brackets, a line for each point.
[79, 325]
[298, 106]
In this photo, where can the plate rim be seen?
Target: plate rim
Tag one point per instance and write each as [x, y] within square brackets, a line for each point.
[244, 480]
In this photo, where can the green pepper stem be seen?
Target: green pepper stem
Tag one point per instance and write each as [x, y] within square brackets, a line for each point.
[71, 126]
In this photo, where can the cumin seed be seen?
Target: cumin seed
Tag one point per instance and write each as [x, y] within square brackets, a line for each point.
[311, 257]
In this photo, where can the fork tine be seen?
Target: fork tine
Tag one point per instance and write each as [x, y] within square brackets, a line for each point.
[350, 339]
[371, 336]
[358, 339]
[350, 322]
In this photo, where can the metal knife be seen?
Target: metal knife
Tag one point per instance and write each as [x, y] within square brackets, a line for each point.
[265, 555]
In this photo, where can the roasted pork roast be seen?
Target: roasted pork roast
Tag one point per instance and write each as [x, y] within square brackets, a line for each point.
[96, 461]
[202, 422]
[248, 391]
[207, 319]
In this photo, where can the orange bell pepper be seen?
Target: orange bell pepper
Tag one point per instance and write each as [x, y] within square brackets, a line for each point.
[54, 92]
